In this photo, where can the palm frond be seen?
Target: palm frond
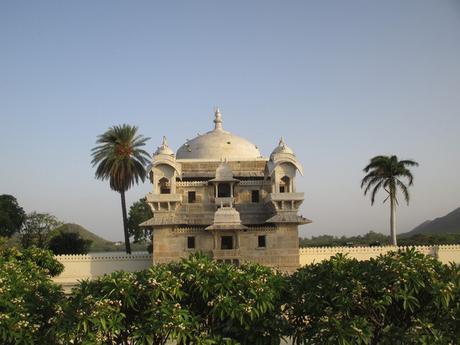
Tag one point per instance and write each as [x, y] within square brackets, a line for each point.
[119, 157]
[404, 190]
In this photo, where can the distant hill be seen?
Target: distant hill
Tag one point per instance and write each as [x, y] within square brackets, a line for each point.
[98, 244]
[448, 224]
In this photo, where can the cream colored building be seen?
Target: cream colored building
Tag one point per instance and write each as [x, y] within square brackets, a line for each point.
[218, 195]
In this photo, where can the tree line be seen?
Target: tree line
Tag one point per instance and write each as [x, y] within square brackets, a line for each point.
[44, 230]
[377, 239]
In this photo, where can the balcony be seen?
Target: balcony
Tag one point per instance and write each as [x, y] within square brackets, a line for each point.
[285, 197]
[151, 197]
[223, 254]
[225, 201]
[285, 201]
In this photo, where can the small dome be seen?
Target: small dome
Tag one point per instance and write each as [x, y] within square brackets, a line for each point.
[281, 148]
[164, 148]
[218, 144]
[224, 173]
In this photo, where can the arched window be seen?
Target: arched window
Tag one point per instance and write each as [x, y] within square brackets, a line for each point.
[285, 185]
[164, 186]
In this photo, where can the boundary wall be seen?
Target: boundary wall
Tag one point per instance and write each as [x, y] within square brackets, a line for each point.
[90, 266]
[309, 255]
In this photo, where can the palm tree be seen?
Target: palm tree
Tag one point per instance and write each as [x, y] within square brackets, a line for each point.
[120, 159]
[386, 172]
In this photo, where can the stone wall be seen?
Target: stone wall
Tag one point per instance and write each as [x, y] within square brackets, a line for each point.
[79, 267]
[445, 253]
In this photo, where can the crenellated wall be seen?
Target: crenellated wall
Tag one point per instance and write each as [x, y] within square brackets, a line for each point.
[79, 267]
[445, 253]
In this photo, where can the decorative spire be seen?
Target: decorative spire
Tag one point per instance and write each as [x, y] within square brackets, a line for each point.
[282, 143]
[164, 148]
[218, 120]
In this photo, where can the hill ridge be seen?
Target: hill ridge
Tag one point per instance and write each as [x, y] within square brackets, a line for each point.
[447, 224]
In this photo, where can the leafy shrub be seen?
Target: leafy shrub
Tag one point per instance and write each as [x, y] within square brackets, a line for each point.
[126, 308]
[42, 258]
[400, 298]
[240, 304]
[30, 304]
[194, 301]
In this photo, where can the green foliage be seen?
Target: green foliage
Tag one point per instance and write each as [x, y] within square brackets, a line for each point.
[402, 297]
[242, 304]
[30, 304]
[119, 158]
[194, 301]
[125, 308]
[11, 215]
[68, 243]
[139, 212]
[399, 298]
[37, 228]
[385, 172]
[388, 173]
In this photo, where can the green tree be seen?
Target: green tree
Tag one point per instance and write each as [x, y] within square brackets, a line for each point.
[139, 212]
[385, 172]
[37, 228]
[68, 243]
[11, 215]
[119, 158]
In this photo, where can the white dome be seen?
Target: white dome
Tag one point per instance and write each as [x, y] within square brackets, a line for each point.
[218, 145]
[164, 148]
[281, 148]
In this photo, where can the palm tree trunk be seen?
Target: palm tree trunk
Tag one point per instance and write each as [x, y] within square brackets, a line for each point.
[125, 222]
[393, 219]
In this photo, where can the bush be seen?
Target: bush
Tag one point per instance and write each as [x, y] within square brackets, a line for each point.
[194, 301]
[42, 258]
[400, 298]
[30, 304]
[69, 243]
[241, 304]
[125, 308]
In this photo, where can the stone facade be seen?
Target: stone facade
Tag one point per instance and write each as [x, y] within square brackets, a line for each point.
[218, 195]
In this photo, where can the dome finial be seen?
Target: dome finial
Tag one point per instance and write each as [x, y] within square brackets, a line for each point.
[282, 143]
[218, 120]
[164, 148]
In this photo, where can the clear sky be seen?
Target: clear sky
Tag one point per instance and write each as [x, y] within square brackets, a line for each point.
[341, 81]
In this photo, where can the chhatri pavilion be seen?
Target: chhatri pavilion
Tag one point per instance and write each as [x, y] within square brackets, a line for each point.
[218, 195]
